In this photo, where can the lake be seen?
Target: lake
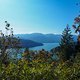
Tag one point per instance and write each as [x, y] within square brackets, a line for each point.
[46, 46]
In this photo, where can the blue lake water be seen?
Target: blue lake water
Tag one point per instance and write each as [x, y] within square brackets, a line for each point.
[46, 46]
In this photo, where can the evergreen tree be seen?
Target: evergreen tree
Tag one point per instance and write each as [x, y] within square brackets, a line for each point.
[67, 43]
[67, 37]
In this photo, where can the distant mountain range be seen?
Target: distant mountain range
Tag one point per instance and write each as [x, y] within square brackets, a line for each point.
[43, 38]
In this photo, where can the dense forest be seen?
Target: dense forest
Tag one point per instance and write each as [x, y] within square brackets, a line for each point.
[40, 65]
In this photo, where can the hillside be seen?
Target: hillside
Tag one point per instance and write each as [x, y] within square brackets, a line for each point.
[29, 43]
[43, 38]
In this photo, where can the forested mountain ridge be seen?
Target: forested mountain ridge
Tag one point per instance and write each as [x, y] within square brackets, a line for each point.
[43, 38]
[25, 43]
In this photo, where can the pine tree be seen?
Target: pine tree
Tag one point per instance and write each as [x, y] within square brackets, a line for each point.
[66, 43]
[67, 37]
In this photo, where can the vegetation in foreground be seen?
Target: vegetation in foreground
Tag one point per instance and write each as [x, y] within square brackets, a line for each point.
[39, 65]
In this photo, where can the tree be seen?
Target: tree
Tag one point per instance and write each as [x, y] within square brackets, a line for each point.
[7, 41]
[66, 44]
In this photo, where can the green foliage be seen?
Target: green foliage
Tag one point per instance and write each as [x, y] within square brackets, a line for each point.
[66, 39]
[39, 65]
[27, 71]
[7, 41]
[68, 70]
[66, 44]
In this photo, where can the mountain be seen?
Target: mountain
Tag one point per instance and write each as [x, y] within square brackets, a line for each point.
[43, 38]
[29, 43]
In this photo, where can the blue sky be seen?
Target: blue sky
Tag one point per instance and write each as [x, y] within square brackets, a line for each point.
[39, 16]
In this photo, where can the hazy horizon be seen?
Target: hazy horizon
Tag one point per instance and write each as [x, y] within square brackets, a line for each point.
[44, 33]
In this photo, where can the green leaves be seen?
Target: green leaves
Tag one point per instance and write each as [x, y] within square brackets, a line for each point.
[23, 71]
